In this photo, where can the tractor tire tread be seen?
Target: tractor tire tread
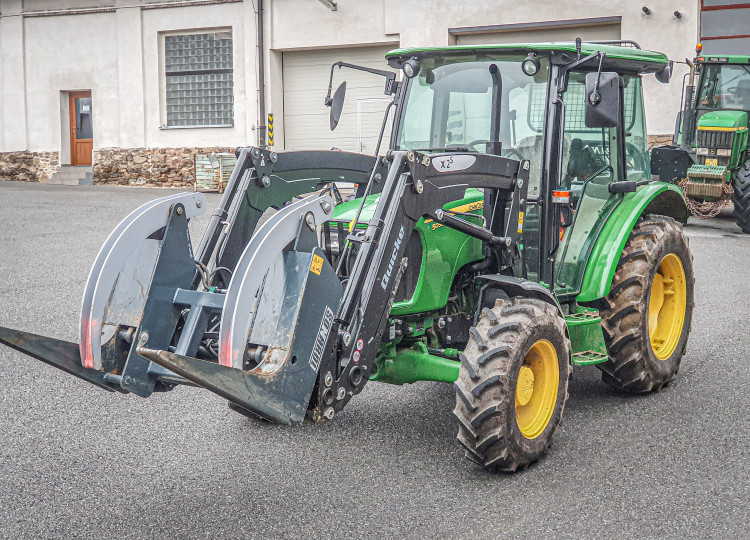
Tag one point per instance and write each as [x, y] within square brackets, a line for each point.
[632, 365]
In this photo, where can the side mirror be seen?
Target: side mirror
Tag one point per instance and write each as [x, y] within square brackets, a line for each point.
[602, 99]
[664, 74]
[337, 105]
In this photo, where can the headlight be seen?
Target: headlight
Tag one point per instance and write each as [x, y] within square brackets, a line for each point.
[726, 152]
[530, 65]
[702, 151]
[411, 68]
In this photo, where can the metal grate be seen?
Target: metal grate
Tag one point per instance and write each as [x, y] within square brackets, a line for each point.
[199, 79]
[575, 106]
[714, 139]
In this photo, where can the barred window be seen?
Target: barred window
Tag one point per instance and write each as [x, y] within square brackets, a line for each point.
[199, 79]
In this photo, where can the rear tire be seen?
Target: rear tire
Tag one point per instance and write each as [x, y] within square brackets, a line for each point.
[741, 197]
[650, 307]
[504, 426]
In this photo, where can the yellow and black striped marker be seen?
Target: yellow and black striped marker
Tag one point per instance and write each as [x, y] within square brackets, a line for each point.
[270, 129]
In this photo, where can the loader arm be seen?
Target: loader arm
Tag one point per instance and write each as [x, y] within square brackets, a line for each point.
[417, 185]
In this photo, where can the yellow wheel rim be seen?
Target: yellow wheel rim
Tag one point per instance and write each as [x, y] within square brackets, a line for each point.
[666, 306]
[536, 389]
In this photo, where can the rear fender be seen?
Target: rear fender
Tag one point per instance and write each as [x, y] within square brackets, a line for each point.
[655, 198]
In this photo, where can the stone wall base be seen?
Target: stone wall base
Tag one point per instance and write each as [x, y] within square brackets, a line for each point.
[659, 140]
[29, 166]
[149, 167]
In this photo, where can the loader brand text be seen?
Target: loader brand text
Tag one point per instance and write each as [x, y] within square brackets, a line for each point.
[321, 338]
[387, 276]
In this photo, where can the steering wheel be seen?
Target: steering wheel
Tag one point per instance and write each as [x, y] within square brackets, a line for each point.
[634, 159]
[472, 146]
[513, 153]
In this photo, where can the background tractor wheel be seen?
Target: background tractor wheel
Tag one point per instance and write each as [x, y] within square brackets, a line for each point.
[513, 384]
[741, 197]
[650, 307]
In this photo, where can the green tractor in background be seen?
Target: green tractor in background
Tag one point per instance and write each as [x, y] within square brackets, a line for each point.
[712, 165]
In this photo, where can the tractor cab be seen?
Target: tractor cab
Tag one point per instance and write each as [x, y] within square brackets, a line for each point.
[531, 103]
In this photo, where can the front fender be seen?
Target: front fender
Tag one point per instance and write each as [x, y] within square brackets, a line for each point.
[657, 198]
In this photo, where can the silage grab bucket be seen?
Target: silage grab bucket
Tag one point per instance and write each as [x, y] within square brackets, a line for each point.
[152, 319]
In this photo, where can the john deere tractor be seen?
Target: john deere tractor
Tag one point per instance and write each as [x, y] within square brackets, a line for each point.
[712, 164]
[511, 231]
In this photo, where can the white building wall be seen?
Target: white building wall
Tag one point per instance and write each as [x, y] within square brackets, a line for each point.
[215, 16]
[117, 55]
[416, 23]
[53, 65]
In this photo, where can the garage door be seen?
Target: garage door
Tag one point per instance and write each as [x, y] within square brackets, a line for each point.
[306, 124]
[529, 33]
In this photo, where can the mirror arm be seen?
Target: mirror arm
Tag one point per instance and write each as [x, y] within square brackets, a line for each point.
[562, 80]
[390, 78]
[328, 100]
[595, 97]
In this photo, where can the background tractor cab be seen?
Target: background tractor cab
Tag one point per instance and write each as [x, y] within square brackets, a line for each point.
[709, 158]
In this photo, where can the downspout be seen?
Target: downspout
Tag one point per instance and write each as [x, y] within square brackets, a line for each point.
[261, 80]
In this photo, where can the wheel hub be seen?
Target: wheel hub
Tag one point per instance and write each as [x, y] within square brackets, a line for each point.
[536, 389]
[525, 386]
[666, 307]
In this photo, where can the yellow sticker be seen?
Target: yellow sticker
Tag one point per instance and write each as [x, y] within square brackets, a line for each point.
[317, 264]
[712, 161]
[520, 223]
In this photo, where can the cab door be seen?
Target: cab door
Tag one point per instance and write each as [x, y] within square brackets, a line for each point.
[592, 159]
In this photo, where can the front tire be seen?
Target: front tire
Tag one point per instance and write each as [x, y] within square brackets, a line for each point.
[512, 384]
[650, 307]
[741, 197]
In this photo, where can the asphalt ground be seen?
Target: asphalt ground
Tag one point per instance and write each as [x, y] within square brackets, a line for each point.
[77, 462]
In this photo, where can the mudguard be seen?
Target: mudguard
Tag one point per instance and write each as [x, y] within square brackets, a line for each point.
[658, 198]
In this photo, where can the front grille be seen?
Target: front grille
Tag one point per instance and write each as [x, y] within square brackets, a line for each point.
[714, 139]
[333, 237]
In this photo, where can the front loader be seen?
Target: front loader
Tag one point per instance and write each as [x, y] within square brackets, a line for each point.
[511, 231]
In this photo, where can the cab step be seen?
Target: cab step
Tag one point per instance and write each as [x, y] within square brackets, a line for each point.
[586, 337]
[589, 358]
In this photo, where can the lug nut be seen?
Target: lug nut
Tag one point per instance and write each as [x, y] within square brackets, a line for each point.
[179, 210]
[329, 413]
[328, 379]
[266, 181]
[327, 396]
[340, 393]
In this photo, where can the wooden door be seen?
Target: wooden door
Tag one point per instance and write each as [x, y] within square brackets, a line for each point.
[81, 128]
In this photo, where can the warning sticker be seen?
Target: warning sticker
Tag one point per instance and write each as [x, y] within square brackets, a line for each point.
[520, 223]
[317, 264]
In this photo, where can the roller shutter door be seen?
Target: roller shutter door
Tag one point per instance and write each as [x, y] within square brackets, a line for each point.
[306, 123]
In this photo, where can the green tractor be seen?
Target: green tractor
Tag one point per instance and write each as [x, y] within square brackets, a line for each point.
[712, 165]
[511, 232]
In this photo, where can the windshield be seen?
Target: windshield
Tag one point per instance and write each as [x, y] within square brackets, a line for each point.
[725, 86]
[448, 104]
